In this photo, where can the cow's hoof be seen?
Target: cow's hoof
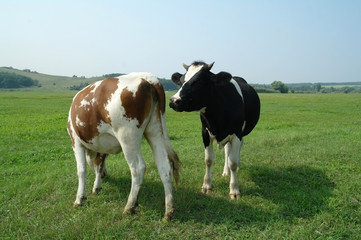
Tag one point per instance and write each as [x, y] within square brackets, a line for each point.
[129, 211]
[80, 201]
[96, 190]
[235, 196]
[168, 216]
[207, 190]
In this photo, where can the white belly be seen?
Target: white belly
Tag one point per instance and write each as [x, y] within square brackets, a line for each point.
[104, 143]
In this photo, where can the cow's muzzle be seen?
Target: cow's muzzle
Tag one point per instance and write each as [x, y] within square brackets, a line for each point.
[175, 103]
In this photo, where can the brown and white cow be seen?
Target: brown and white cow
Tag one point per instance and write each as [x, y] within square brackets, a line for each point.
[113, 115]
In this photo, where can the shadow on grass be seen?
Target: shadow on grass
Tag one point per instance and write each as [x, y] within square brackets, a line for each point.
[278, 194]
[299, 191]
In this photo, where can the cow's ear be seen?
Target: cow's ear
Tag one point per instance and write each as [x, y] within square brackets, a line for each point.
[221, 78]
[176, 78]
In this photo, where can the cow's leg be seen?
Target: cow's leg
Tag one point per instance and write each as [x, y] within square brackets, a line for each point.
[97, 162]
[103, 169]
[99, 165]
[156, 140]
[209, 159]
[233, 164]
[208, 156]
[226, 168]
[79, 153]
[132, 153]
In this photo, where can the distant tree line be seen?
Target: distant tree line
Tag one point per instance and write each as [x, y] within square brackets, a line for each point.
[12, 80]
[274, 87]
[168, 85]
[79, 87]
[29, 71]
[280, 87]
[113, 75]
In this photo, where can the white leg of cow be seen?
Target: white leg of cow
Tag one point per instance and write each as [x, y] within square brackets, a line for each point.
[132, 153]
[209, 159]
[79, 153]
[165, 170]
[233, 164]
[226, 168]
[161, 148]
[166, 175]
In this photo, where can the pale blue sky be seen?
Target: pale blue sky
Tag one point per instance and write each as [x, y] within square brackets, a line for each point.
[262, 41]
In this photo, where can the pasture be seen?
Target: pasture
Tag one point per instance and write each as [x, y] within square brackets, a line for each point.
[300, 176]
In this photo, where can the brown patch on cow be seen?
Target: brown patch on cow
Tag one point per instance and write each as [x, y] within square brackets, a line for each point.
[100, 160]
[138, 106]
[93, 112]
[161, 95]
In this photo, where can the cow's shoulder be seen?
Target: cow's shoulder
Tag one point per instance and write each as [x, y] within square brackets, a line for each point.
[140, 92]
[146, 83]
[240, 80]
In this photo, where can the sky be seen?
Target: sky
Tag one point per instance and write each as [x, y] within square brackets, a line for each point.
[261, 41]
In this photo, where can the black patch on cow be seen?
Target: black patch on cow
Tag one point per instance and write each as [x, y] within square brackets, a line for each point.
[221, 77]
[176, 78]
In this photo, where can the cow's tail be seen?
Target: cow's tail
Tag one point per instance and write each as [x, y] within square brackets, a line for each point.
[172, 155]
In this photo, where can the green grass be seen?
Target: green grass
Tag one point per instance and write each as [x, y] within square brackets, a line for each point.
[300, 176]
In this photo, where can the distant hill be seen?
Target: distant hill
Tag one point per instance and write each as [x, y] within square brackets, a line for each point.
[50, 82]
[63, 83]
[47, 82]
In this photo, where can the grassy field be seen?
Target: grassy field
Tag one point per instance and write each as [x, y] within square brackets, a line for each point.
[300, 176]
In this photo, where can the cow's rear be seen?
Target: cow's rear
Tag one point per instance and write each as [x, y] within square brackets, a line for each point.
[113, 115]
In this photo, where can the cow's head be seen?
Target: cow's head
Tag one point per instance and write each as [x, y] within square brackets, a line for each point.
[196, 86]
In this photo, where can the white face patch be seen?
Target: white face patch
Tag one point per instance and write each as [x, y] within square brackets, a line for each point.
[177, 95]
[192, 70]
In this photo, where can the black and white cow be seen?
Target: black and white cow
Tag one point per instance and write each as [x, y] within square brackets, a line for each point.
[229, 110]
